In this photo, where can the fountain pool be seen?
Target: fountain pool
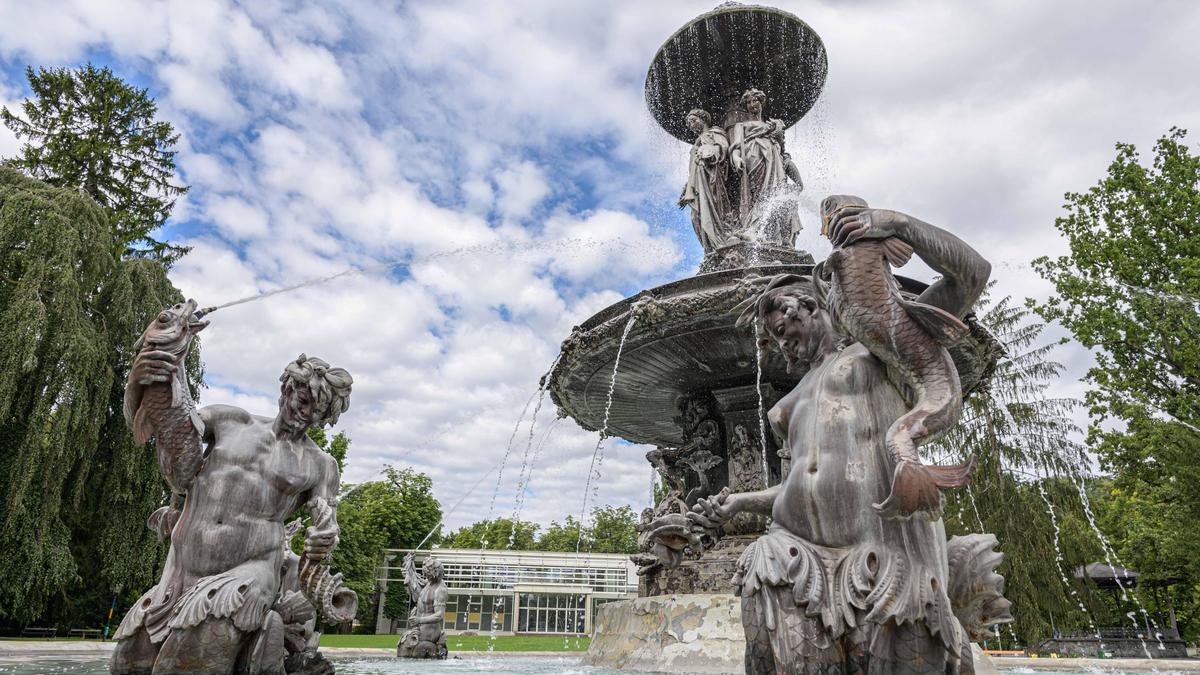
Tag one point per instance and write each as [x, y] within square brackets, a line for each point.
[477, 665]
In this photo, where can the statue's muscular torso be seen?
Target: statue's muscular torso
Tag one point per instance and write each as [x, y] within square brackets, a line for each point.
[251, 482]
[835, 420]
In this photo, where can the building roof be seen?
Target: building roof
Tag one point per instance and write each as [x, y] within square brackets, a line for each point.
[1115, 576]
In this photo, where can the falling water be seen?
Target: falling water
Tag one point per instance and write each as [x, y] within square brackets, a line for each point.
[762, 413]
[1061, 564]
[1109, 557]
[504, 247]
[597, 454]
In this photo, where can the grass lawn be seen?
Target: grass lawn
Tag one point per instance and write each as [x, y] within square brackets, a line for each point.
[469, 643]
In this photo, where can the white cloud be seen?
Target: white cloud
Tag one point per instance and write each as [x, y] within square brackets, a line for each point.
[320, 137]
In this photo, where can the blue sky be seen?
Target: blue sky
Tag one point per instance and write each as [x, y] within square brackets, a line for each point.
[317, 137]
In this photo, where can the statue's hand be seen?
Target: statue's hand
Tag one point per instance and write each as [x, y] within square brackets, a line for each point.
[319, 543]
[152, 366]
[713, 512]
[853, 223]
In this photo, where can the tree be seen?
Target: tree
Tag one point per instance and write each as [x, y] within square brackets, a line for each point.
[498, 535]
[563, 538]
[396, 512]
[1130, 288]
[88, 130]
[74, 491]
[1028, 459]
[336, 446]
[612, 530]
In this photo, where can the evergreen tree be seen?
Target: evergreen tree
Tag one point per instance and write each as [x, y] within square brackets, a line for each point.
[1028, 458]
[74, 492]
[88, 130]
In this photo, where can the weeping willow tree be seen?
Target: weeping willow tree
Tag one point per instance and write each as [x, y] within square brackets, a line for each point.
[74, 492]
[1024, 487]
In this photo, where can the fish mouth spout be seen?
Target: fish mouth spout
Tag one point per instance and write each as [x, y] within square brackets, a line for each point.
[195, 316]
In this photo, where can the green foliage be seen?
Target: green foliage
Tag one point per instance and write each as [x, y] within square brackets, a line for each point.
[396, 512]
[336, 446]
[1130, 291]
[74, 492]
[494, 535]
[562, 538]
[612, 530]
[1023, 443]
[1130, 288]
[88, 130]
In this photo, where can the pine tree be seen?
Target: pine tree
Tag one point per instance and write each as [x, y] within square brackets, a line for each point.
[88, 130]
[1028, 462]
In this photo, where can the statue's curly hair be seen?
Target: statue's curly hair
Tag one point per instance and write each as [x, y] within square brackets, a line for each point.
[330, 387]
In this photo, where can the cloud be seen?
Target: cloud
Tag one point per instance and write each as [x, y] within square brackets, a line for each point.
[490, 175]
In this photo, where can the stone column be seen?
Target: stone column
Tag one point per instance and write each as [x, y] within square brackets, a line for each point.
[743, 422]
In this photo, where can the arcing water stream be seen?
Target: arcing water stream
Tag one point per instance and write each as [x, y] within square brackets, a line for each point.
[598, 453]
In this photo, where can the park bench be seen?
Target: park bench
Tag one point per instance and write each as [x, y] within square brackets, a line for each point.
[34, 631]
[85, 633]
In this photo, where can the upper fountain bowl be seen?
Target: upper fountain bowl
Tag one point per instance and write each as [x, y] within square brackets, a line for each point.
[712, 59]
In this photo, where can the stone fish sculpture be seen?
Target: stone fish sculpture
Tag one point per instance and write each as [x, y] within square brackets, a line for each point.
[909, 337]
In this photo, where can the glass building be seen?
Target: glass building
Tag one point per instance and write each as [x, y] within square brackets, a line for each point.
[511, 592]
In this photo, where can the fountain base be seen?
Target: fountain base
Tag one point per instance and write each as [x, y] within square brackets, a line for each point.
[698, 633]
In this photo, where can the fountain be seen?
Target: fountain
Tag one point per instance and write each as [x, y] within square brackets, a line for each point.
[696, 385]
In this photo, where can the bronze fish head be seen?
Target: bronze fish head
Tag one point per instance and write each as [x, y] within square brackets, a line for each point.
[834, 203]
[173, 329]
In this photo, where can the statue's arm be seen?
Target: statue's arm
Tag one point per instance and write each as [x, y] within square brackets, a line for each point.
[964, 272]
[321, 538]
[213, 417]
[413, 580]
[736, 142]
[713, 512]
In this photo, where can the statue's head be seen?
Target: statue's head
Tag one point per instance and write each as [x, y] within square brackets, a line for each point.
[698, 120]
[834, 203]
[312, 394]
[788, 313]
[753, 101]
[432, 569]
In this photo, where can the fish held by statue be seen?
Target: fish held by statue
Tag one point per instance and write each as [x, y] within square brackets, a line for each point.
[165, 411]
[910, 338]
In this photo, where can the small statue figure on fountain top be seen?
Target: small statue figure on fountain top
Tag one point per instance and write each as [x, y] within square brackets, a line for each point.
[766, 200]
[705, 191]
[425, 638]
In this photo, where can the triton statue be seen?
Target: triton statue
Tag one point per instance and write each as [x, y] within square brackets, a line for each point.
[235, 479]
[425, 637]
[847, 579]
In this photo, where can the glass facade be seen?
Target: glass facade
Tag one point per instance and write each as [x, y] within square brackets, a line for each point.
[551, 613]
[512, 591]
[478, 613]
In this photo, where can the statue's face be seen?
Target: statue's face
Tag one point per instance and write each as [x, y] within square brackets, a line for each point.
[797, 327]
[296, 407]
[754, 105]
[695, 123]
[432, 569]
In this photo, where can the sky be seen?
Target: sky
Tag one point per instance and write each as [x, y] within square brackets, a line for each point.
[504, 151]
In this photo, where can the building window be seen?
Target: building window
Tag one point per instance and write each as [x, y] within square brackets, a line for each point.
[551, 613]
[478, 613]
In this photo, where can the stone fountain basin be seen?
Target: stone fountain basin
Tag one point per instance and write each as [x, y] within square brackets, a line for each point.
[684, 341]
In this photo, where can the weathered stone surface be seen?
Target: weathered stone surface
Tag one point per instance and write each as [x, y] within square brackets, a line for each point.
[676, 633]
[709, 572]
